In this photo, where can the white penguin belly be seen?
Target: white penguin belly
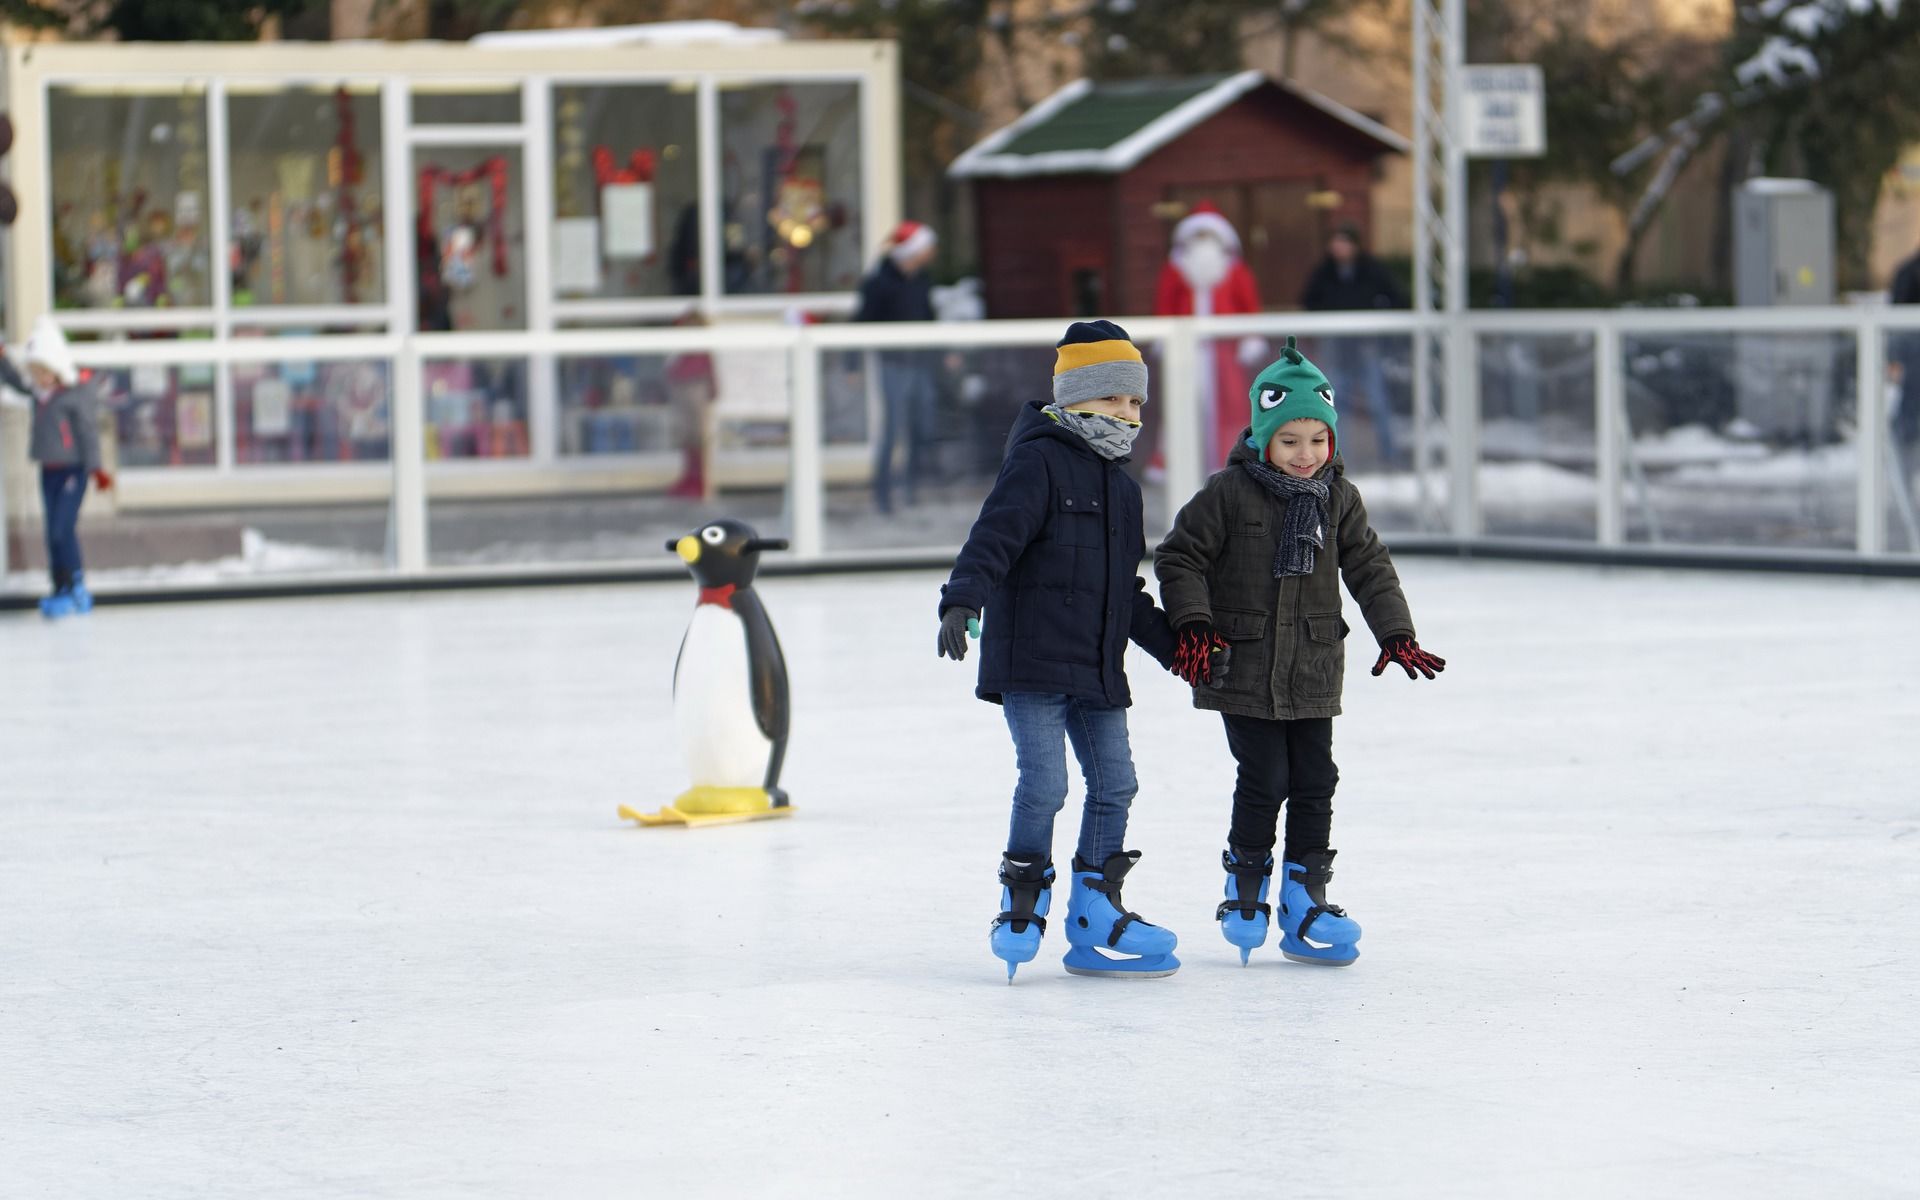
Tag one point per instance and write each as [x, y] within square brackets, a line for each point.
[713, 704]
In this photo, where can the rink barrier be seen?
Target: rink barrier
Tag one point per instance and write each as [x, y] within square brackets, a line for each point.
[1456, 529]
[1404, 546]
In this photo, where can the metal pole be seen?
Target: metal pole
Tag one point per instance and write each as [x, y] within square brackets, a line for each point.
[1179, 391]
[1870, 419]
[806, 481]
[1609, 441]
[1463, 393]
[408, 509]
[1422, 254]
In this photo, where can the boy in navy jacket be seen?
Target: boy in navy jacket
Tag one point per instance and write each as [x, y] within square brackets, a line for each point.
[1052, 563]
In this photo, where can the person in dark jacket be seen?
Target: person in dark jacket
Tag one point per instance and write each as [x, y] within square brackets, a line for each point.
[900, 290]
[66, 443]
[1349, 278]
[1051, 565]
[1255, 562]
[1906, 351]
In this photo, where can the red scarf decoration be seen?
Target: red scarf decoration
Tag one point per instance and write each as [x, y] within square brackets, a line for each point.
[495, 169]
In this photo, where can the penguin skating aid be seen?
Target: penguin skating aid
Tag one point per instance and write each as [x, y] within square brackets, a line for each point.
[1099, 927]
[729, 688]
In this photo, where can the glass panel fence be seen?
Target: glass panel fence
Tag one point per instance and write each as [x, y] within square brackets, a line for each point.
[1741, 439]
[1380, 434]
[1537, 451]
[1903, 441]
[645, 447]
[912, 440]
[307, 494]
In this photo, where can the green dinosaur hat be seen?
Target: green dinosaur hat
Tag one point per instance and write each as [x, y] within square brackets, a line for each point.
[1290, 388]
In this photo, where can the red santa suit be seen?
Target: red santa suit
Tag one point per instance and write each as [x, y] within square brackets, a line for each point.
[1205, 276]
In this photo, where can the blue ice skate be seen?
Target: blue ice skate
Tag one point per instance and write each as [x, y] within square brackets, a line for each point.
[1100, 927]
[1025, 893]
[82, 598]
[1244, 914]
[58, 605]
[1311, 930]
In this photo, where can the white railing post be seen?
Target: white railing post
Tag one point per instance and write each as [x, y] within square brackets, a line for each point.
[1870, 419]
[408, 509]
[1609, 437]
[806, 481]
[1463, 426]
[1183, 439]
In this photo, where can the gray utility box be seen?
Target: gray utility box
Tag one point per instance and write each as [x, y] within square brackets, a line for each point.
[1783, 255]
[1782, 243]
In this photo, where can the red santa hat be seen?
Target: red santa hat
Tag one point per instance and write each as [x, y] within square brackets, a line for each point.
[910, 240]
[1206, 218]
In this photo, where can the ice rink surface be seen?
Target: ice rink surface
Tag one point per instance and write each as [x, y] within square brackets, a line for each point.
[328, 899]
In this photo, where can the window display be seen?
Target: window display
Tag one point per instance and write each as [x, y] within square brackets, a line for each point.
[469, 238]
[310, 412]
[161, 416]
[306, 168]
[129, 185]
[476, 408]
[791, 178]
[626, 182]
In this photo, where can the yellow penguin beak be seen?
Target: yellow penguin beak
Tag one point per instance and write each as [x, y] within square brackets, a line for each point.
[688, 548]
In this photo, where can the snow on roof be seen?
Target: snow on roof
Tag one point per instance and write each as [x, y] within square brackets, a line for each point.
[1111, 127]
[667, 33]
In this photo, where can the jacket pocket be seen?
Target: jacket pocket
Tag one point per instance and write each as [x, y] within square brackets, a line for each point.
[1318, 671]
[1079, 518]
[1251, 665]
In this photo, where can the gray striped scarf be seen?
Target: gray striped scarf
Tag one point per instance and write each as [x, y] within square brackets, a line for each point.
[1304, 528]
[1110, 437]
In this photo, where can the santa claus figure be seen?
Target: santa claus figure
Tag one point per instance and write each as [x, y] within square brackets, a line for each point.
[1205, 276]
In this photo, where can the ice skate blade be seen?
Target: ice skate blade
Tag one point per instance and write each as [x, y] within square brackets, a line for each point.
[673, 816]
[1329, 960]
[1084, 960]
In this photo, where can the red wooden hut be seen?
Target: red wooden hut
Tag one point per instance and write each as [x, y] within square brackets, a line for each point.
[1077, 198]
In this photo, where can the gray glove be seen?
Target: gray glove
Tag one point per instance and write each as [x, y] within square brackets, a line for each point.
[956, 625]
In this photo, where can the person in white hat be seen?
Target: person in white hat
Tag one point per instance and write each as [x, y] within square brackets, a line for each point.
[66, 443]
[898, 289]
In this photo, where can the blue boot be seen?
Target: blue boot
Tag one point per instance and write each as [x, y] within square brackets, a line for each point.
[1311, 930]
[1025, 893]
[1099, 926]
[1243, 914]
[82, 598]
[58, 605]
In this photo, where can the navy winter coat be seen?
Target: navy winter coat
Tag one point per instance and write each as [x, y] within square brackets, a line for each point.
[890, 294]
[1051, 565]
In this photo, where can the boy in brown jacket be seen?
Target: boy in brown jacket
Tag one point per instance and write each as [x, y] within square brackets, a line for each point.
[1254, 564]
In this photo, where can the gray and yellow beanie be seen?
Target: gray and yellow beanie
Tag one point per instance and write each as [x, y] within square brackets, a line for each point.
[1097, 359]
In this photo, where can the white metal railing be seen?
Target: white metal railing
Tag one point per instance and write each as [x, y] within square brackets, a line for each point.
[1456, 416]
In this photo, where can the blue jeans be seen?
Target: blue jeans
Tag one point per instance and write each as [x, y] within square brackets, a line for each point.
[61, 491]
[1099, 736]
[1355, 367]
[910, 395]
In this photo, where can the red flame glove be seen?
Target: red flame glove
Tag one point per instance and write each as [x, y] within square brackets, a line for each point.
[1202, 656]
[1407, 652]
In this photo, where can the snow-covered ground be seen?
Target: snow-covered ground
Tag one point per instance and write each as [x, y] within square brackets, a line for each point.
[328, 898]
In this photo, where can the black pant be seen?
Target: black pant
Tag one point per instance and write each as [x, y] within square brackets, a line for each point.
[1282, 762]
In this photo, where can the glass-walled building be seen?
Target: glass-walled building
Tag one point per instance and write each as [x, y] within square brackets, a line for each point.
[216, 193]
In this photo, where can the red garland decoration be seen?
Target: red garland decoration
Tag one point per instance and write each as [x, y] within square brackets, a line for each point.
[639, 168]
[495, 169]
